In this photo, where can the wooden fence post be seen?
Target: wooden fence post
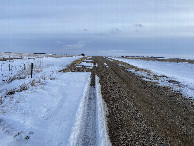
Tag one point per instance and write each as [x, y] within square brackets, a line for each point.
[32, 69]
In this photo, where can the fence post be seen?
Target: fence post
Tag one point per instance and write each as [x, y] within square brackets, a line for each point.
[32, 69]
[24, 67]
[9, 67]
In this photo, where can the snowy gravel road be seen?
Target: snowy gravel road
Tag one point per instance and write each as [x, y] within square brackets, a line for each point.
[140, 111]
[100, 101]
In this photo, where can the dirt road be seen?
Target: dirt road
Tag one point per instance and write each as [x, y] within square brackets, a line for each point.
[140, 112]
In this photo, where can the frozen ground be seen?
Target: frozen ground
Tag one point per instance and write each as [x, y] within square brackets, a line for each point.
[168, 72]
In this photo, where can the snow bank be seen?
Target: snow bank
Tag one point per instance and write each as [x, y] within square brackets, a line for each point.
[76, 130]
[102, 129]
[181, 72]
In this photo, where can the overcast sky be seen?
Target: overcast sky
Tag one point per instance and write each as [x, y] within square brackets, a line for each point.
[98, 27]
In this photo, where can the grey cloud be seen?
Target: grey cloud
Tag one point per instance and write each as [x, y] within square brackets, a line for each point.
[111, 51]
[52, 24]
[59, 42]
[139, 25]
[115, 31]
[77, 45]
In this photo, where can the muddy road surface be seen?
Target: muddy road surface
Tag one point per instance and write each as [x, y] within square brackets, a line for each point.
[141, 112]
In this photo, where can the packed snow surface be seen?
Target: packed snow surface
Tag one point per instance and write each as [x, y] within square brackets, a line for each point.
[181, 72]
[43, 116]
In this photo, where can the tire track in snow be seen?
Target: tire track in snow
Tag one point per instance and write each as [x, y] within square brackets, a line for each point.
[84, 131]
[88, 129]
[91, 128]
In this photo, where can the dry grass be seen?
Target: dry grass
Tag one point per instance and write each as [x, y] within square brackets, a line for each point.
[6, 59]
[22, 88]
[11, 92]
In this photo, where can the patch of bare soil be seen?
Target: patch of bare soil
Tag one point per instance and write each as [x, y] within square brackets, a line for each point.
[140, 112]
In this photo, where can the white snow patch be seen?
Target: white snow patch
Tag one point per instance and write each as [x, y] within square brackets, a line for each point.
[76, 130]
[106, 64]
[102, 132]
[86, 64]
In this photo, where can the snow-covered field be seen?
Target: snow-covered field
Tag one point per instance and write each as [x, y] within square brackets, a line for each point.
[15, 75]
[44, 115]
[54, 109]
[183, 73]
